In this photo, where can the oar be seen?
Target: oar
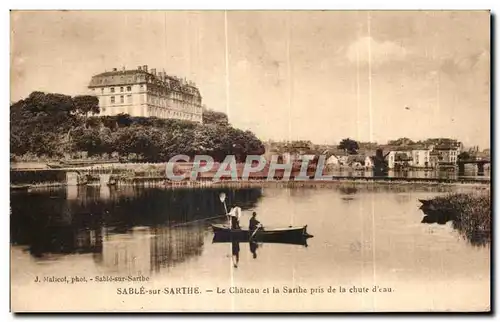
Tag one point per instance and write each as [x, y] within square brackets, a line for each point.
[222, 197]
[193, 221]
[255, 231]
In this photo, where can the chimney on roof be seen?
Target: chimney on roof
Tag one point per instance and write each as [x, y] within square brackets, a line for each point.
[114, 69]
[139, 68]
[145, 68]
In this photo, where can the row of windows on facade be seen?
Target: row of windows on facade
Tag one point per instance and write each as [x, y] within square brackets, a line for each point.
[185, 107]
[122, 99]
[112, 89]
[152, 111]
[169, 114]
[426, 160]
[175, 94]
[154, 101]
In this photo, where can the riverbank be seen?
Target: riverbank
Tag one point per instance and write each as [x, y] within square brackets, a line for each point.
[470, 214]
[343, 184]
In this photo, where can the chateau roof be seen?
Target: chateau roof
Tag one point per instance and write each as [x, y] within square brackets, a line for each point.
[127, 77]
[138, 76]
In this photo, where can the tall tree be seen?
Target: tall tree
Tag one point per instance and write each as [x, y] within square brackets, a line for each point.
[40, 123]
[349, 146]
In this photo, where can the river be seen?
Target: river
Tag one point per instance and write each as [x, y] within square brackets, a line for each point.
[364, 236]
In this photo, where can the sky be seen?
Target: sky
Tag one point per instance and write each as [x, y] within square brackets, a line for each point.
[285, 75]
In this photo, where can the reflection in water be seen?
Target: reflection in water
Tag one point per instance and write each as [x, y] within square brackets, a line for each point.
[235, 246]
[475, 227]
[375, 240]
[253, 248]
[348, 190]
[126, 229]
[143, 250]
[470, 172]
[174, 245]
[432, 216]
[129, 253]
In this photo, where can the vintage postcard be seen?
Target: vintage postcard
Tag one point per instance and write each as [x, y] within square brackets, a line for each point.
[250, 161]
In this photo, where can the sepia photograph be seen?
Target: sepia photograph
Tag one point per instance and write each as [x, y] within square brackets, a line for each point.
[250, 161]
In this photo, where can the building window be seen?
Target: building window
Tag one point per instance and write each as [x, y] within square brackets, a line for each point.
[112, 99]
[122, 99]
[129, 98]
[121, 89]
[103, 109]
[102, 90]
[112, 89]
[129, 88]
[142, 86]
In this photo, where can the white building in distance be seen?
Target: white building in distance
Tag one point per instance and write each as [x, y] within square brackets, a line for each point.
[140, 92]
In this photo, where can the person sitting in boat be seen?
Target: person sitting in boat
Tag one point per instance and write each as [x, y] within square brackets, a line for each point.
[254, 223]
[234, 217]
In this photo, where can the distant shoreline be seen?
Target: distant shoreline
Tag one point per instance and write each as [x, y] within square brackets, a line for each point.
[339, 181]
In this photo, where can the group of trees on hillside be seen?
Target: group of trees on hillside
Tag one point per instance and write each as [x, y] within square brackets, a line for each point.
[53, 125]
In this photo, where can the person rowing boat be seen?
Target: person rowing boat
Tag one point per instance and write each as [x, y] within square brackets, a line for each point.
[254, 223]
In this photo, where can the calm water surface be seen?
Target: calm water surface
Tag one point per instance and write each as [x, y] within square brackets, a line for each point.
[363, 237]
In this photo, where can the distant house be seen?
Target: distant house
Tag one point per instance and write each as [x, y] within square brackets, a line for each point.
[359, 161]
[355, 161]
[421, 157]
[400, 157]
[483, 155]
[434, 159]
[403, 160]
[448, 153]
[332, 160]
[337, 157]
[368, 161]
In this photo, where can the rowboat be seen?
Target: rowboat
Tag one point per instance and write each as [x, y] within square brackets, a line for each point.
[288, 235]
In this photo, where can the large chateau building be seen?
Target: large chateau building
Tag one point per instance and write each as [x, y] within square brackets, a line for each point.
[147, 93]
